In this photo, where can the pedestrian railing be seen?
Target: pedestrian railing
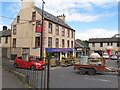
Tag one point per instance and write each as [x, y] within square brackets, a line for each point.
[34, 78]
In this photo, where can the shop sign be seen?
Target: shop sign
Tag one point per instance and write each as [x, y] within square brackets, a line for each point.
[59, 49]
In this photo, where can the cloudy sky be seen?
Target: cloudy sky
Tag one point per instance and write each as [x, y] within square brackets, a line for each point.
[90, 18]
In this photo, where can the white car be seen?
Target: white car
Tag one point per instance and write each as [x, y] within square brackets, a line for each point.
[106, 56]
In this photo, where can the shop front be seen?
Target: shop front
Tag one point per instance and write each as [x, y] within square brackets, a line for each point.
[57, 54]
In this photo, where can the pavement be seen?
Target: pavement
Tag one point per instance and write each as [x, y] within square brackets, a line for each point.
[10, 81]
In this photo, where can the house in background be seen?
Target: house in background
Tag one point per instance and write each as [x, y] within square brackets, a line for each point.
[5, 36]
[58, 37]
[81, 48]
[101, 45]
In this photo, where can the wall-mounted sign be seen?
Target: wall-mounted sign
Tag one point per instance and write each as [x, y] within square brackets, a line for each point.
[59, 49]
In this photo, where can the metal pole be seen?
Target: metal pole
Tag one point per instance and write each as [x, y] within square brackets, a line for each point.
[41, 53]
[48, 74]
[42, 30]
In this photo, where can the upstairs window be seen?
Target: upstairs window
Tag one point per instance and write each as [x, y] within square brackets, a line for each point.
[57, 42]
[63, 43]
[14, 29]
[118, 44]
[71, 34]
[50, 27]
[0, 39]
[6, 39]
[18, 19]
[37, 42]
[71, 44]
[68, 43]
[101, 44]
[49, 41]
[33, 16]
[57, 30]
[93, 44]
[68, 33]
[63, 31]
[14, 43]
[38, 27]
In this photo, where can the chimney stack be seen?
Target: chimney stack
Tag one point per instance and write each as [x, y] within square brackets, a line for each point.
[27, 3]
[62, 17]
[4, 28]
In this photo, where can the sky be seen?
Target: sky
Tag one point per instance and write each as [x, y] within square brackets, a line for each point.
[90, 18]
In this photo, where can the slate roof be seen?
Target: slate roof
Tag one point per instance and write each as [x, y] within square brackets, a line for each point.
[5, 33]
[104, 40]
[80, 44]
[52, 17]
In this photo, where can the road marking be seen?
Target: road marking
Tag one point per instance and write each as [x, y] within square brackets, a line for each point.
[104, 80]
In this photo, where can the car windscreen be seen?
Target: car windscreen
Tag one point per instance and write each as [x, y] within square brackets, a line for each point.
[83, 58]
[34, 59]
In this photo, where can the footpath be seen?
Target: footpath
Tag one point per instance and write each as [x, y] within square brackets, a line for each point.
[10, 81]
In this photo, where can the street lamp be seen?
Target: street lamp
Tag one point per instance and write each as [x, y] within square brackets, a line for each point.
[41, 53]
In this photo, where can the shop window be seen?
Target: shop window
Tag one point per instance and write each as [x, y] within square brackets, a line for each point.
[33, 16]
[14, 43]
[37, 42]
[49, 41]
[14, 29]
[68, 44]
[6, 39]
[57, 30]
[50, 27]
[63, 31]
[57, 42]
[18, 19]
[63, 43]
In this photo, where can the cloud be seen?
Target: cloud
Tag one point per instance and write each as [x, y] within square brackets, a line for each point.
[96, 33]
[72, 8]
[0, 27]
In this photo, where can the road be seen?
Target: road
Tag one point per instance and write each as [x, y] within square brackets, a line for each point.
[66, 77]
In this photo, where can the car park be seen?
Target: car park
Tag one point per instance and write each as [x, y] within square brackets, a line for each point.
[31, 63]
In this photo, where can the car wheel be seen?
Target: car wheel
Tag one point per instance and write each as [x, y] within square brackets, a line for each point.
[16, 65]
[32, 67]
[82, 71]
[91, 71]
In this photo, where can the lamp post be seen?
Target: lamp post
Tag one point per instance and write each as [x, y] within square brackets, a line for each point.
[41, 53]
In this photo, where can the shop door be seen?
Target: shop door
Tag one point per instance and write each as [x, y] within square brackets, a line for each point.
[57, 56]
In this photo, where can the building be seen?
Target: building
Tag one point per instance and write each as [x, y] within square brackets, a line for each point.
[81, 48]
[58, 37]
[101, 45]
[5, 36]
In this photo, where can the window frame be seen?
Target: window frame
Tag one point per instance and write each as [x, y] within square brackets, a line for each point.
[14, 42]
[57, 30]
[50, 25]
[14, 29]
[63, 31]
[37, 42]
[57, 42]
[49, 41]
[6, 39]
[34, 16]
[18, 19]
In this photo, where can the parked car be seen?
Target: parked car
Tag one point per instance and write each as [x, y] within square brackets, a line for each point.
[113, 57]
[106, 56]
[32, 63]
